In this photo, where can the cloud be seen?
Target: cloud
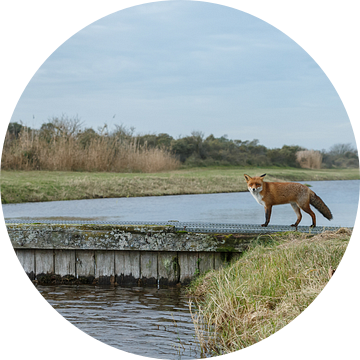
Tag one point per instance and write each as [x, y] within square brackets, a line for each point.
[188, 65]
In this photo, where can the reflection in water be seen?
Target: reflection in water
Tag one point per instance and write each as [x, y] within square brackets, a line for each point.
[143, 321]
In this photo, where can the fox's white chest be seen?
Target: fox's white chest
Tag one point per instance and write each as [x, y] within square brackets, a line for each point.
[257, 196]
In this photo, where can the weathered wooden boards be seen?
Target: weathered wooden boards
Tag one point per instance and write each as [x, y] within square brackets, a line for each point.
[119, 254]
[119, 267]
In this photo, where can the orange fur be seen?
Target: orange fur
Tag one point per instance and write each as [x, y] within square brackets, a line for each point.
[297, 195]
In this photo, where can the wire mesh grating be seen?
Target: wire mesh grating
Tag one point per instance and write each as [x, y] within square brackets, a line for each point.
[199, 227]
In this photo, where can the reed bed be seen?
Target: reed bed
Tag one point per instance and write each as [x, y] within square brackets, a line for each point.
[269, 286]
[29, 151]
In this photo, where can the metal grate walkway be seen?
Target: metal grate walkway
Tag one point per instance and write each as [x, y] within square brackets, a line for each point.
[199, 227]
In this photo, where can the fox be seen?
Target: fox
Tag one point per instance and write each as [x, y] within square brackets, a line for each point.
[299, 196]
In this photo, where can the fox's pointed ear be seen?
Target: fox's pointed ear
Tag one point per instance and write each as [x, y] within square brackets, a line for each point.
[247, 177]
[262, 175]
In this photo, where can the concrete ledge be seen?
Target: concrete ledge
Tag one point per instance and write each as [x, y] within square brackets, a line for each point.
[120, 237]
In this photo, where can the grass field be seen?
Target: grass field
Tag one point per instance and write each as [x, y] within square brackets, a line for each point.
[30, 186]
[269, 286]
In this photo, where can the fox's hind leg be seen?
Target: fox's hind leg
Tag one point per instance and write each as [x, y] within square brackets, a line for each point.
[298, 214]
[306, 208]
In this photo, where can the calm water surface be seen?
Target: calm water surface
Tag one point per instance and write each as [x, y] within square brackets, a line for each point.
[144, 321]
[341, 197]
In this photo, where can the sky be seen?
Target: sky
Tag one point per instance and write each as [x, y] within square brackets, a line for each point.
[178, 67]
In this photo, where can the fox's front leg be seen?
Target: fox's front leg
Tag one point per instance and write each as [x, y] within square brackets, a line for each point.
[298, 214]
[267, 215]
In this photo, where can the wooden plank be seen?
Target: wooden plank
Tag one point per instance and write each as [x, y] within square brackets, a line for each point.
[219, 260]
[44, 265]
[188, 263]
[105, 267]
[127, 267]
[65, 262]
[148, 267]
[168, 268]
[85, 265]
[27, 261]
[206, 261]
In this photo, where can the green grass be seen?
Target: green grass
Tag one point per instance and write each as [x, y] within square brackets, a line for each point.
[269, 286]
[29, 186]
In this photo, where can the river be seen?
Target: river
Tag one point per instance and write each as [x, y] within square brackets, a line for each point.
[144, 321]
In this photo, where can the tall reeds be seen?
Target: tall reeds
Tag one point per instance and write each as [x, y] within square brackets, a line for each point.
[30, 150]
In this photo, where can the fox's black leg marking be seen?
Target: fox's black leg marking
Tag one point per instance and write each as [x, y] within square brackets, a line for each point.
[267, 216]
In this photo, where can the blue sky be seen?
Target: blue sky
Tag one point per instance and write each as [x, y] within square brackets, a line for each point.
[178, 67]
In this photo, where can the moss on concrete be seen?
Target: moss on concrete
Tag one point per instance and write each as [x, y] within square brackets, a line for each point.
[120, 237]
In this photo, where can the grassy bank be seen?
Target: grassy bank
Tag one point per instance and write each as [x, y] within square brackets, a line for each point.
[29, 186]
[270, 285]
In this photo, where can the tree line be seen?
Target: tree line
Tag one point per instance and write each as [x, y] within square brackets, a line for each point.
[191, 150]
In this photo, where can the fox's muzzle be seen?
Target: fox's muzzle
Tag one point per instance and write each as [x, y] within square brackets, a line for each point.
[254, 189]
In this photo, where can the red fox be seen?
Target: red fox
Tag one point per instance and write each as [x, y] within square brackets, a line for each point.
[297, 195]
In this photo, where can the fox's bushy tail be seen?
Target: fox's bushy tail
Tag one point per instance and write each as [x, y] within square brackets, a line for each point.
[320, 206]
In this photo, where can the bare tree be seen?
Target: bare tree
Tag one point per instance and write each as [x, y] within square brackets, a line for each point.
[342, 149]
[65, 126]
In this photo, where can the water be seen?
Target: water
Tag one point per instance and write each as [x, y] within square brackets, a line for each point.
[341, 197]
[144, 321]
